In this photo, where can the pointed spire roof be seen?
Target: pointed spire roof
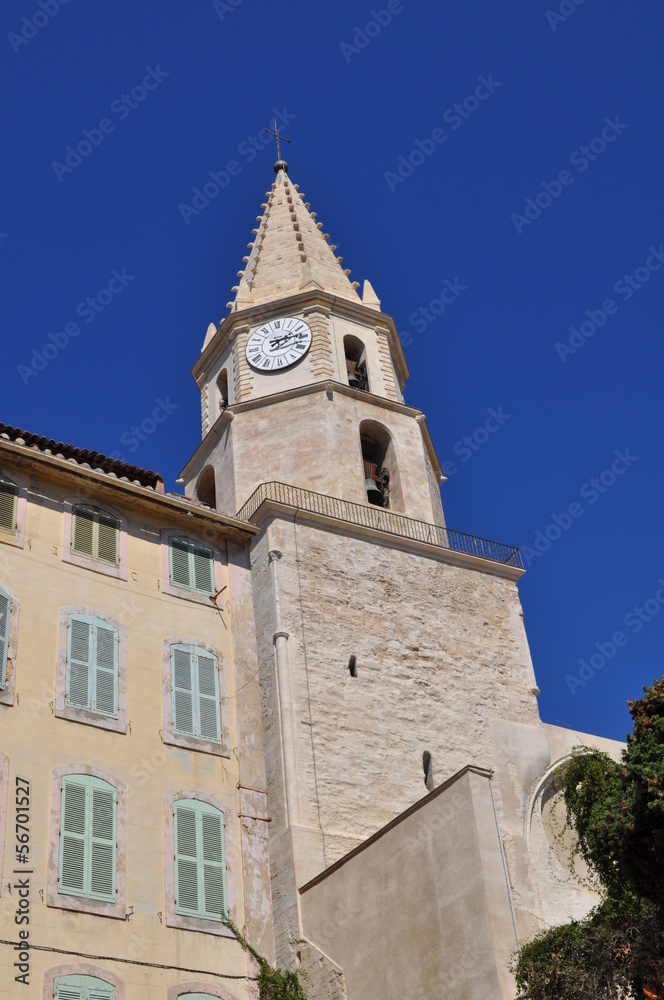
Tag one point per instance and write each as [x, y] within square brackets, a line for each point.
[289, 253]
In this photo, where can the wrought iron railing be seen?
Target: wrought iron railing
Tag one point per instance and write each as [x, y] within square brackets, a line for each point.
[381, 520]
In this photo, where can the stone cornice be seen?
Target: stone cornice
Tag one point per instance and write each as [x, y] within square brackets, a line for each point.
[324, 385]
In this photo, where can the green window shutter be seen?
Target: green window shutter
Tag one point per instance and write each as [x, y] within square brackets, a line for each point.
[8, 504]
[195, 686]
[214, 864]
[69, 988]
[95, 534]
[106, 669]
[5, 619]
[82, 534]
[102, 848]
[79, 665]
[183, 690]
[186, 861]
[82, 988]
[108, 538]
[203, 570]
[92, 665]
[208, 696]
[72, 836]
[200, 861]
[191, 565]
[87, 838]
[179, 558]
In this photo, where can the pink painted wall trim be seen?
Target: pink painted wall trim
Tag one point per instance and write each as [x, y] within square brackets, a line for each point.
[7, 694]
[119, 571]
[198, 986]
[66, 902]
[4, 806]
[174, 919]
[188, 595]
[80, 969]
[193, 742]
[65, 711]
[18, 538]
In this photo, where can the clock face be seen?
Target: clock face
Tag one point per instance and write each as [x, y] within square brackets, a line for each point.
[278, 344]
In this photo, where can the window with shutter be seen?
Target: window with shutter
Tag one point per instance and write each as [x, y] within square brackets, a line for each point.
[191, 565]
[5, 619]
[200, 862]
[195, 686]
[82, 988]
[87, 838]
[92, 665]
[95, 534]
[8, 504]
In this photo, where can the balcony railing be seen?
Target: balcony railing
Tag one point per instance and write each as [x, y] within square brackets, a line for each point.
[381, 520]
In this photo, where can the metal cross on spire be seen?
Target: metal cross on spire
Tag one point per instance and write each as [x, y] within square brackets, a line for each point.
[279, 138]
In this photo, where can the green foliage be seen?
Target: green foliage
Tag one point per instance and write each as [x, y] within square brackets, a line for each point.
[617, 811]
[273, 984]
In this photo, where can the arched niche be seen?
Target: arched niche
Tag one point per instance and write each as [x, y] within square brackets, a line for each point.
[205, 487]
[222, 390]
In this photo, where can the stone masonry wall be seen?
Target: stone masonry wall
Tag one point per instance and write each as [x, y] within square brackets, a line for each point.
[440, 651]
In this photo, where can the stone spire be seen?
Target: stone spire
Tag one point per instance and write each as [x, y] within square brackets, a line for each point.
[289, 253]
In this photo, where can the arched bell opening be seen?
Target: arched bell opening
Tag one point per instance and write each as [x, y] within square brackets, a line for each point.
[381, 472]
[356, 364]
[205, 487]
[222, 391]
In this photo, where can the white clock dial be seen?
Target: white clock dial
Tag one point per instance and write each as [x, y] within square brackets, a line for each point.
[278, 344]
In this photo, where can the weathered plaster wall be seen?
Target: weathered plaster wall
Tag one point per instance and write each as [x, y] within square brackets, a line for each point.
[427, 899]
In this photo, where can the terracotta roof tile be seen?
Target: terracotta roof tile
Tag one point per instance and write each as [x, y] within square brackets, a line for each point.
[81, 456]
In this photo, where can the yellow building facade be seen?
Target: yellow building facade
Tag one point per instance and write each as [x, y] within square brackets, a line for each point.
[131, 768]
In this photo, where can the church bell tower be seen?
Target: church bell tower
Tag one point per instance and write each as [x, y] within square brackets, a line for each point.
[391, 648]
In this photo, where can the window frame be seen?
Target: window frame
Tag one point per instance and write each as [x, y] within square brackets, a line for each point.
[218, 564]
[8, 670]
[87, 562]
[179, 739]
[73, 713]
[80, 969]
[206, 925]
[16, 537]
[87, 904]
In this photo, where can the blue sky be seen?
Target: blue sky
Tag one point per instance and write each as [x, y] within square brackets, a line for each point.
[504, 152]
